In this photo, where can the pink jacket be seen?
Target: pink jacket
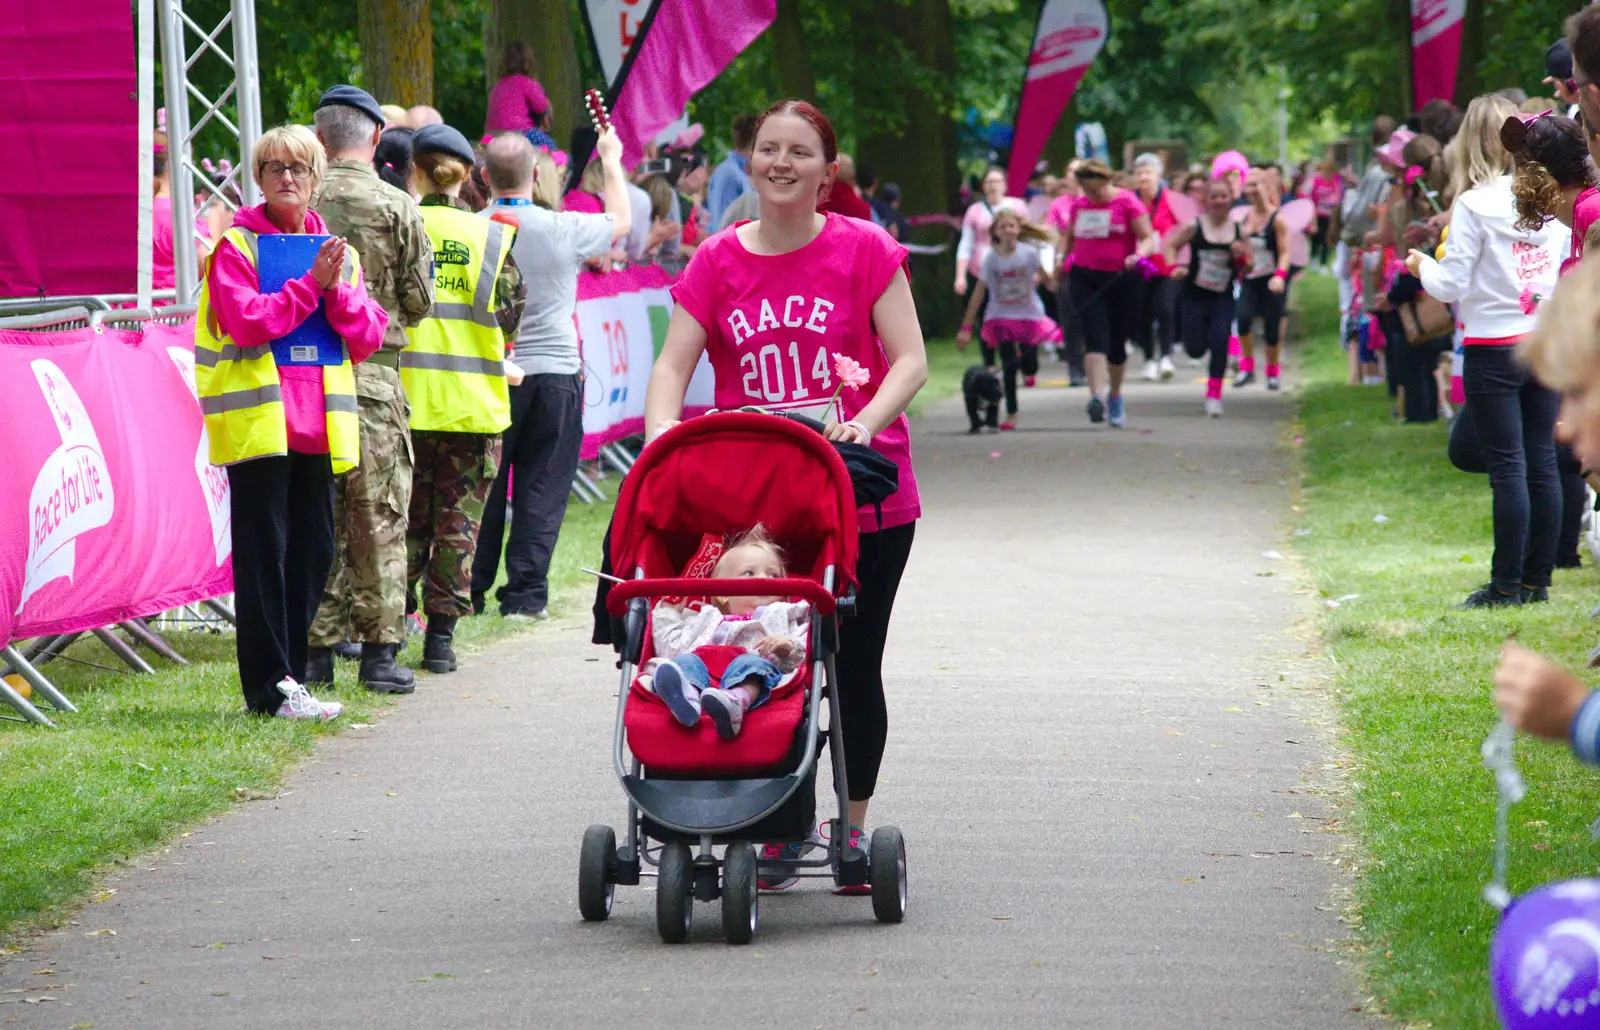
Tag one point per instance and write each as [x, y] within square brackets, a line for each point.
[253, 318]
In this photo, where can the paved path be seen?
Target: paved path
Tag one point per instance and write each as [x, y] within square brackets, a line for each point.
[1099, 772]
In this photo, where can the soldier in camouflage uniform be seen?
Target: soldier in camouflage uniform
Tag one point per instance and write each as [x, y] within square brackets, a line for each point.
[455, 469]
[365, 597]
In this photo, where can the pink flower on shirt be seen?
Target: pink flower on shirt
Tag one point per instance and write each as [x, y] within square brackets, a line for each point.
[1529, 300]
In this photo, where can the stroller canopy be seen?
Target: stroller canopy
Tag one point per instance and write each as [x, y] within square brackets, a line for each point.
[725, 472]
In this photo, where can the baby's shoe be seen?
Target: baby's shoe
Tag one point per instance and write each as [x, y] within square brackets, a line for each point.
[726, 709]
[682, 697]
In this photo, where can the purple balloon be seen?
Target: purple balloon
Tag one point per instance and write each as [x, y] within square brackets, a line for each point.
[1545, 959]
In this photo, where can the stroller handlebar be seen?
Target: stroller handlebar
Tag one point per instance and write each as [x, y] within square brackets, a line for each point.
[804, 589]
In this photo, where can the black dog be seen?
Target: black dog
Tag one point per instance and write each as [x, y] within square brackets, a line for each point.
[980, 387]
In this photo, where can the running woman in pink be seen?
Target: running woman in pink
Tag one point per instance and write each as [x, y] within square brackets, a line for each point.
[770, 303]
[1014, 321]
[1265, 289]
[1327, 193]
[1105, 233]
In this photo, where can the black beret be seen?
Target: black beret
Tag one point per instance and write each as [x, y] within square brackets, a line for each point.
[353, 96]
[442, 139]
[1558, 61]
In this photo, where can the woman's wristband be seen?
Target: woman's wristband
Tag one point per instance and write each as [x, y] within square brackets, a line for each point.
[863, 430]
[967, 328]
[1280, 274]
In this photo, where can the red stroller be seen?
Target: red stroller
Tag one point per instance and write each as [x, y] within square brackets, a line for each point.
[687, 789]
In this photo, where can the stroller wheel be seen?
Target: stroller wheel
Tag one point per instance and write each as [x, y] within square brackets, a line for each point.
[888, 874]
[596, 879]
[740, 893]
[675, 893]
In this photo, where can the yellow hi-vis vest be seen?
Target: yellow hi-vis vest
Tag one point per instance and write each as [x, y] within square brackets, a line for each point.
[241, 395]
[454, 369]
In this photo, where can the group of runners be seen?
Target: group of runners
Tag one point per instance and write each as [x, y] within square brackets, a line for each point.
[1145, 264]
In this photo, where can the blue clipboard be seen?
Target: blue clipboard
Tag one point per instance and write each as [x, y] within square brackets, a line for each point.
[280, 258]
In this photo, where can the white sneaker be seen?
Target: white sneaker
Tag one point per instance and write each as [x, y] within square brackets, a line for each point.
[1152, 371]
[1168, 370]
[1213, 407]
[299, 704]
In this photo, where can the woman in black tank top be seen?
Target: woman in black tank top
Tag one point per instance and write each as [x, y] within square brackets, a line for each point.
[1215, 250]
[1265, 289]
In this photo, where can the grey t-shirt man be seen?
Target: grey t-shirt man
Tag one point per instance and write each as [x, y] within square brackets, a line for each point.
[550, 249]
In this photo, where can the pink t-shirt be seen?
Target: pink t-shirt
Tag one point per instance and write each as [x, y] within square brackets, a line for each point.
[515, 104]
[1326, 194]
[1585, 212]
[163, 274]
[586, 203]
[774, 323]
[1102, 234]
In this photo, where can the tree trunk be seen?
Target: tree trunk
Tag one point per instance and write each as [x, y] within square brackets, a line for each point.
[1062, 146]
[1400, 28]
[396, 50]
[546, 26]
[791, 60]
[872, 26]
[924, 161]
[1467, 80]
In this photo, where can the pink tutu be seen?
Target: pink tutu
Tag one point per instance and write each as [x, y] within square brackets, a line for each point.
[1026, 331]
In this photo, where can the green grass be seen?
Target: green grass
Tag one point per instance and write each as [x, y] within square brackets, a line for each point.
[148, 755]
[945, 365]
[1412, 679]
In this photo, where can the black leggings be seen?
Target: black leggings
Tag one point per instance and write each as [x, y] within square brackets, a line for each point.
[1158, 323]
[1256, 300]
[1010, 361]
[1465, 451]
[1319, 242]
[860, 664]
[1106, 303]
[1207, 324]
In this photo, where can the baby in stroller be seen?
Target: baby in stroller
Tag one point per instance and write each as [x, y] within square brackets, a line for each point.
[725, 658]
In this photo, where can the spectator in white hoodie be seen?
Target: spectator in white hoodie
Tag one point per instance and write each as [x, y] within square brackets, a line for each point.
[1499, 274]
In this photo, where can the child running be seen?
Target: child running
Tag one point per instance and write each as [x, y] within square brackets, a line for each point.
[1215, 249]
[1014, 323]
[746, 645]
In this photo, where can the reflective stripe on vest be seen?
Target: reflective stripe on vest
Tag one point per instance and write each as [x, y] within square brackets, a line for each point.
[241, 394]
[453, 370]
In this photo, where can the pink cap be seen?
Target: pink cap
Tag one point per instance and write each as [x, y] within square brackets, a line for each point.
[1392, 153]
[1229, 161]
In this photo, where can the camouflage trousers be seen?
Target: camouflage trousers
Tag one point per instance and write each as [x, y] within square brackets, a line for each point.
[365, 597]
[453, 477]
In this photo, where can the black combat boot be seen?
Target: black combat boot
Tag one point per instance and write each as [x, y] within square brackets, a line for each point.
[319, 668]
[438, 656]
[381, 674]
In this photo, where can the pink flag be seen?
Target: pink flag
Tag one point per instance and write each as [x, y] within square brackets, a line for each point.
[71, 117]
[683, 46]
[1435, 48]
[1070, 34]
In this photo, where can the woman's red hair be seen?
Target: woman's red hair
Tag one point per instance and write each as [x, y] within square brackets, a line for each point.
[812, 116]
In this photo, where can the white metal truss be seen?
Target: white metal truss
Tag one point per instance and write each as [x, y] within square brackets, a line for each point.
[243, 95]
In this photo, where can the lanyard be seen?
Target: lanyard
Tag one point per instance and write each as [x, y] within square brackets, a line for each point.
[513, 201]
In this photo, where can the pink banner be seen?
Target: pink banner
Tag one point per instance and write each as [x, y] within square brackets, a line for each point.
[1435, 49]
[1069, 36]
[69, 114]
[109, 508]
[687, 44]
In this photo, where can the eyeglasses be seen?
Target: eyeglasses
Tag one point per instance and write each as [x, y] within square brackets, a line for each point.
[275, 169]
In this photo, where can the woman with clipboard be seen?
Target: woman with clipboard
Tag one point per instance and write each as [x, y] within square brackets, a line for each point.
[272, 366]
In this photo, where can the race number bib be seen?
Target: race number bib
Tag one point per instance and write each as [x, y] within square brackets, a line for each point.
[1092, 225]
[1014, 289]
[1262, 261]
[1213, 271]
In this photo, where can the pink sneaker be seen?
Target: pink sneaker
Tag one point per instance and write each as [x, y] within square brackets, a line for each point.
[858, 841]
[299, 704]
